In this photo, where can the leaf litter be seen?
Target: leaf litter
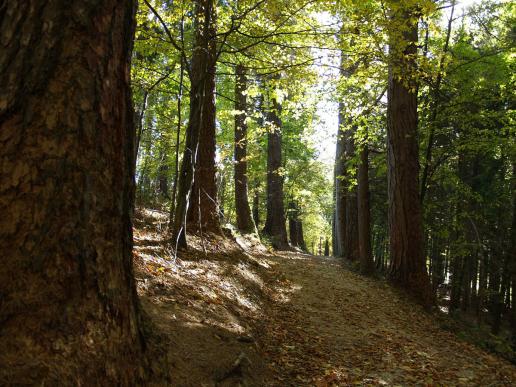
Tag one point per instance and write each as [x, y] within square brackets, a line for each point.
[238, 315]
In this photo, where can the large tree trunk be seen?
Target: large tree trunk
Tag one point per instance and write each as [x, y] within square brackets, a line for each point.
[408, 267]
[199, 154]
[364, 214]
[245, 221]
[203, 212]
[69, 311]
[275, 226]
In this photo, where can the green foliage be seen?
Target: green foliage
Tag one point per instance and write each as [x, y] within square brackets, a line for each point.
[467, 120]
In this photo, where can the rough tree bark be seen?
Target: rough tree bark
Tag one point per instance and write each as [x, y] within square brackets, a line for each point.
[69, 311]
[201, 123]
[245, 221]
[408, 266]
[204, 209]
[275, 226]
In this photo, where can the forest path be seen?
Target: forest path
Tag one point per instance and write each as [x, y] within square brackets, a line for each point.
[330, 326]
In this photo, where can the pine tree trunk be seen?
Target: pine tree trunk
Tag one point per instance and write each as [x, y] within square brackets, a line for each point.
[364, 214]
[275, 226]
[69, 310]
[199, 154]
[203, 211]
[407, 267]
[243, 212]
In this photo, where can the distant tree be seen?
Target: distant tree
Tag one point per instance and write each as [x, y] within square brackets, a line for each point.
[364, 213]
[245, 221]
[275, 227]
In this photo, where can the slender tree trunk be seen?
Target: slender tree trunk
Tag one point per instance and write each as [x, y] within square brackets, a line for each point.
[466, 283]
[438, 274]
[163, 176]
[144, 181]
[482, 286]
[256, 205]
[326, 248]
[364, 214]
[456, 282]
[339, 187]
[407, 266]
[351, 238]
[140, 114]
[293, 223]
[275, 226]
[201, 122]
[243, 212]
[435, 108]
[300, 235]
[221, 189]
[178, 134]
[69, 310]
[139, 123]
[495, 281]
[512, 257]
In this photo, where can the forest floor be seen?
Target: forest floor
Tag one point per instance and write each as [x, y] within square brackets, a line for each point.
[230, 313]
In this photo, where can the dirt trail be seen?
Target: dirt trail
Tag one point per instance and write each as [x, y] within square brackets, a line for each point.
[329, 326]
[228, 313]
